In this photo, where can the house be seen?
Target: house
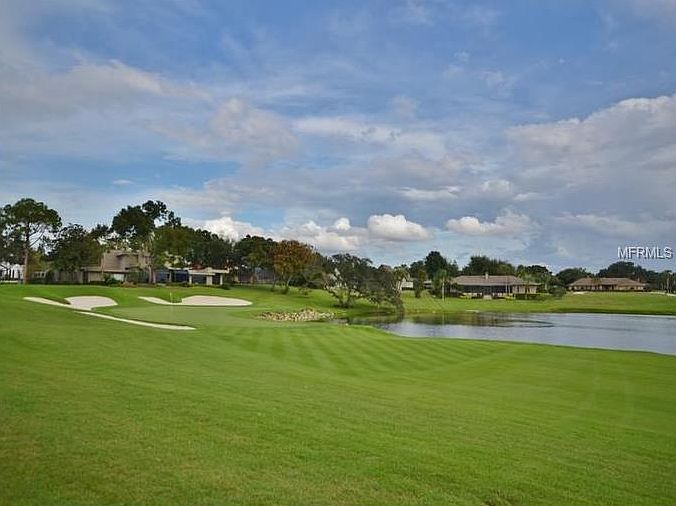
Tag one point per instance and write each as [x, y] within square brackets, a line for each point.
[11, 273]
[590, 284]
[406, 284]
[202, 276]
[494, 286]
[121, 265]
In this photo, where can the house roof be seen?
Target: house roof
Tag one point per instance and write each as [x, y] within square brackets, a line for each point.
[588, 281]
[491, 281]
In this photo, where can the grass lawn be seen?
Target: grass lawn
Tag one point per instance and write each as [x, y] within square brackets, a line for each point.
[635, 303]
[245, 411]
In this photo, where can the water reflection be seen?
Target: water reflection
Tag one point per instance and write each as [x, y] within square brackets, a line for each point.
[608, 331]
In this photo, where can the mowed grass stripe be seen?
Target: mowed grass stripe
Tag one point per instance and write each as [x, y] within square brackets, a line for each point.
[243, 411]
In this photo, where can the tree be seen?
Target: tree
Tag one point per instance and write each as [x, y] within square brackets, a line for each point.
[666, 281]
[29, 222]
[439, 283]
[347, 278]
[536, 273]
[434, 262]
[10, 245]
[208, 249]
[419, 274]
[253, 252]
[629, 270]
[135, 226]
[567, 276]
[479, 265]
[291, 258]
[75, 248]
[171, 245]
[400, 273]
[383, 287]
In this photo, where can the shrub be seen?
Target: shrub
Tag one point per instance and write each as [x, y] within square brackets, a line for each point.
[557, 291]
[109, 280]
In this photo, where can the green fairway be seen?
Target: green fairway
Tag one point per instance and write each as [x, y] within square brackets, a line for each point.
[246, 411]
[635, 303]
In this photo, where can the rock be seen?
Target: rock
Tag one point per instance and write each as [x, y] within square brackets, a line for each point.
[304, 315]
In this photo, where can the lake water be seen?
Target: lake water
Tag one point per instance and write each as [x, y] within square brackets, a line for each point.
[608, 331]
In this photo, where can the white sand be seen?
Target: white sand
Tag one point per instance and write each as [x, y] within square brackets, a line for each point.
[200, 300]
[83, 303]
[138, 322]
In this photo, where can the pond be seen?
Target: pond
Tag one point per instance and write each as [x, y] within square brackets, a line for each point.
[609, 331]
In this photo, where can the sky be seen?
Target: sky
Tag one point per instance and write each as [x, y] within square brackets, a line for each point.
[538, 131]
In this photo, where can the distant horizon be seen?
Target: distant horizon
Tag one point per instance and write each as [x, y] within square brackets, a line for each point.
[668, 251]
[538, 134]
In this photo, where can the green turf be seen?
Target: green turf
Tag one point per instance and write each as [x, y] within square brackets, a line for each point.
[245, 411]
[636, 303]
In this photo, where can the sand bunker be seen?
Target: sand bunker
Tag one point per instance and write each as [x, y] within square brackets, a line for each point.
[83, 303]
[200, 300]
[166, 326]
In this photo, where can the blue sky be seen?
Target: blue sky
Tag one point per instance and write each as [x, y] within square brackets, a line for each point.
[538, 131]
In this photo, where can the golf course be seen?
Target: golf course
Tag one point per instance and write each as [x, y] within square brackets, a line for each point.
[240, 410]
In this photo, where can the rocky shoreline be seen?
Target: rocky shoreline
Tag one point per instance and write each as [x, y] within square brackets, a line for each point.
[304, 315]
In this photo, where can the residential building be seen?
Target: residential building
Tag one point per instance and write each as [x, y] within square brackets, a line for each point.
[591, 284]
[11, 273]
[204, 276]
[121, 265]
[494, 286]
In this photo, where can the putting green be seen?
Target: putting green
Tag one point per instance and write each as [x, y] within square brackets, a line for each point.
[200, 300]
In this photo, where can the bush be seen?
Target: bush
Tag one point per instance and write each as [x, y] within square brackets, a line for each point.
[109, 280]
[557, 291]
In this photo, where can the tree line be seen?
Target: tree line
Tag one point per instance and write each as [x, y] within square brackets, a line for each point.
[441, 271]
[31, 232]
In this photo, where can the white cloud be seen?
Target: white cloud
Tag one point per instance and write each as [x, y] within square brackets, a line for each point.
[396, 228]
[356, 130]
[419, 195]
[615, 226]
[604, 143]
[122, 182]
[227, 227]
[340, 237]
[496, 188]
[342, 224]
[613, 162]
[237, 131]
[528, 196]
[507, 224]
[29, 94]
